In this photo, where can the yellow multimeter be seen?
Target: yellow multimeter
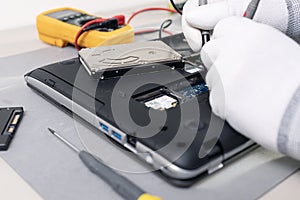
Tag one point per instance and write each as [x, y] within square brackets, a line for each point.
[59, 27]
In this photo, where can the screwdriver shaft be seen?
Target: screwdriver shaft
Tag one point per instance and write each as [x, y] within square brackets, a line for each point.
[61, 138]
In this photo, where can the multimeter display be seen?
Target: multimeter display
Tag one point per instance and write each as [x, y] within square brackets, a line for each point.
[60, 27]
[72, 17]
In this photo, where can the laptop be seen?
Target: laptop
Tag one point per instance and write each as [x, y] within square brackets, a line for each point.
[161, 116]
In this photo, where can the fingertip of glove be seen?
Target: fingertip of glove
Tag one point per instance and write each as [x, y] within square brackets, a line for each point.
[206, 16]
[229, 24]
[217, 98]
[197, 17]
[194, 44]
[192, 35]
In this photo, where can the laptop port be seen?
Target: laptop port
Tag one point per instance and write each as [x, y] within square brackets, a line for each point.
[117, 135]
[104, 127]
[131, 140]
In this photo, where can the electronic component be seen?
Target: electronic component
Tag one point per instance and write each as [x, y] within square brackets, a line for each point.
[9, 121]
[165, 98]
[60, 26]
[112, 61]
[170, 95]
[162, 103]
[193, 91]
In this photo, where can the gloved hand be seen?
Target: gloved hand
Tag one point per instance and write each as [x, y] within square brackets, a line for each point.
[272, 12]
[254, 72]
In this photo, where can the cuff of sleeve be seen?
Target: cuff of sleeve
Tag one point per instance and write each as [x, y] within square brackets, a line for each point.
[288, 141]
[293, 29]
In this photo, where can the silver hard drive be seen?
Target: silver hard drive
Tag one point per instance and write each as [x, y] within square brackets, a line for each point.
[111, 61]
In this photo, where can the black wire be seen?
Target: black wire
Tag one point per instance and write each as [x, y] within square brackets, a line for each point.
[163, 26]
[175, 7]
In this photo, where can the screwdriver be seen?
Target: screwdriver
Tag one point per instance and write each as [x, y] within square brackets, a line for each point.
[124, 187]
[205, 33]
[251, 9]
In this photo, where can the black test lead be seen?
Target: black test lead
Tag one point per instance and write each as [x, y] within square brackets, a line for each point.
[120, 184]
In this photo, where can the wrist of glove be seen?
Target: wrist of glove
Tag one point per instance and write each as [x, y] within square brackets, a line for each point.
[271, 12]
[253, 75]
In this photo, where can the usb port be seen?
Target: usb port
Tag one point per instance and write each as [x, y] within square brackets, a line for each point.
[104, 127]
[117, 135]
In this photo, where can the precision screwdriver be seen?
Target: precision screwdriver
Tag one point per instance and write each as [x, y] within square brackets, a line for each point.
[205, 33]
[251, 9]
[120, 184]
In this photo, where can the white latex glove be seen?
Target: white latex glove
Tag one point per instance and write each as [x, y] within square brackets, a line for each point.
[272, 12]
[254, 72]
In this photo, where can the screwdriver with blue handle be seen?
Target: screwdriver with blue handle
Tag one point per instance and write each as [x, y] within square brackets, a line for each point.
[124, 187]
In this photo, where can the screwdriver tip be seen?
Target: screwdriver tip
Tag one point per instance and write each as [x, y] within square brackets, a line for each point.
[51, 130]
[64, 140]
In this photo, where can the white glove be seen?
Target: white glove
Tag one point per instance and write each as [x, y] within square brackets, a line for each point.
[254, 71]
[272, 12]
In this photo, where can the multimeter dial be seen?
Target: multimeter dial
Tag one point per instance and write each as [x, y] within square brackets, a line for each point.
[72, 17]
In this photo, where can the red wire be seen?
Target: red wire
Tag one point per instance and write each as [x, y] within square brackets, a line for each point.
[145, 31]
[151, 31]
[149, 9]
[99, 20]
[168, 32]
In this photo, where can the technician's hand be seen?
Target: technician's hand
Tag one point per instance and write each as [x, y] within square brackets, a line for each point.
[254, 78]
[195, 17]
